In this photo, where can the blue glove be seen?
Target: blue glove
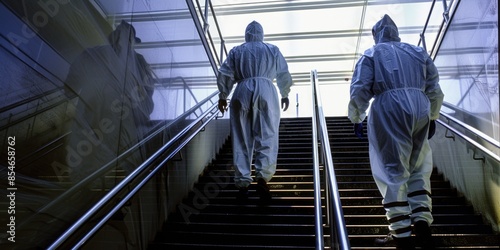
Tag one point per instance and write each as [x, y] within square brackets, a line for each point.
[432, 129]
[358, 130]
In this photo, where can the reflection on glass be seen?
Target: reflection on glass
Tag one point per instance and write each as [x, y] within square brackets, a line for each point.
[80, 90]
[114, 85]
[468, 64]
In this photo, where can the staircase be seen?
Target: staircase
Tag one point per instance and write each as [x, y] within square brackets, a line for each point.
[220, 222]
[211, 218]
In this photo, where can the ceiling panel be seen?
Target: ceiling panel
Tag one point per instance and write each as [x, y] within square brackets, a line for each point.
[310, 32]
[325, 35]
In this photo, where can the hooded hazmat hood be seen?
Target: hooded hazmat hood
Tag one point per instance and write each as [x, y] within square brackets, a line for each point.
[254, 32]
[385, 30]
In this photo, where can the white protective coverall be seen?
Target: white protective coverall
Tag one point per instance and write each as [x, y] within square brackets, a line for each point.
[255, 110]
[403, 81]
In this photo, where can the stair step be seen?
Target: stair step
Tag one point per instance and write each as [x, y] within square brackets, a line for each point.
[442, 241]
[210, 217]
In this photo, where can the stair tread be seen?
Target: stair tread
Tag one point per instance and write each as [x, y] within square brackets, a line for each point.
[288, 219]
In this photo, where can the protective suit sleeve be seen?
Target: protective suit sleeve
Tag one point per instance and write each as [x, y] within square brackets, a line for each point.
[432, 89]
[225, 79]
[361, 92]
[225, 84]
[283, 77]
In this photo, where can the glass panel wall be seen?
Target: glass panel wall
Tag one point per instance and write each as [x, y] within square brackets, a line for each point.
[83, 84]
[468, 64]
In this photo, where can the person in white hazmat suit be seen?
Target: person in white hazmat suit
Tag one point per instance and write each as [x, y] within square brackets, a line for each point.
[404, 84]
[255, 110]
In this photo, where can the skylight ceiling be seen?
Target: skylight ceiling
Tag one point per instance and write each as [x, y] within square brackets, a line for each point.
[328, 36]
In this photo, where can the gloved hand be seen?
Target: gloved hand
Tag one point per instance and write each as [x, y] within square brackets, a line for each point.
[432, 129]
[358, 130]
[222, 105]
[285, 102]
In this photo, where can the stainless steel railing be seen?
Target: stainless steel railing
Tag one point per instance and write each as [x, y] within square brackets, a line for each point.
[171, 148]
[468, 139]
[335, 216]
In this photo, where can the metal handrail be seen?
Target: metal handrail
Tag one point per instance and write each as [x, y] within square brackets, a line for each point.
[199, 28]
[318, 223]
[471, 129]
[146, 165]
[110, 165]
[334, 211]
[205, 31]
[153, 172]
[422, 34]
[471, 141]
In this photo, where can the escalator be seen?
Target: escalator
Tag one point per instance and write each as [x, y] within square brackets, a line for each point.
[211, 218]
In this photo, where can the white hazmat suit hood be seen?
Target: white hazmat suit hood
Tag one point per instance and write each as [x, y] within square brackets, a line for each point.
[385, 30]
[254, 32]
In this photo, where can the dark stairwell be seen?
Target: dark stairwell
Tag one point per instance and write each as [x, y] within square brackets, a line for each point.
[211, 218]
